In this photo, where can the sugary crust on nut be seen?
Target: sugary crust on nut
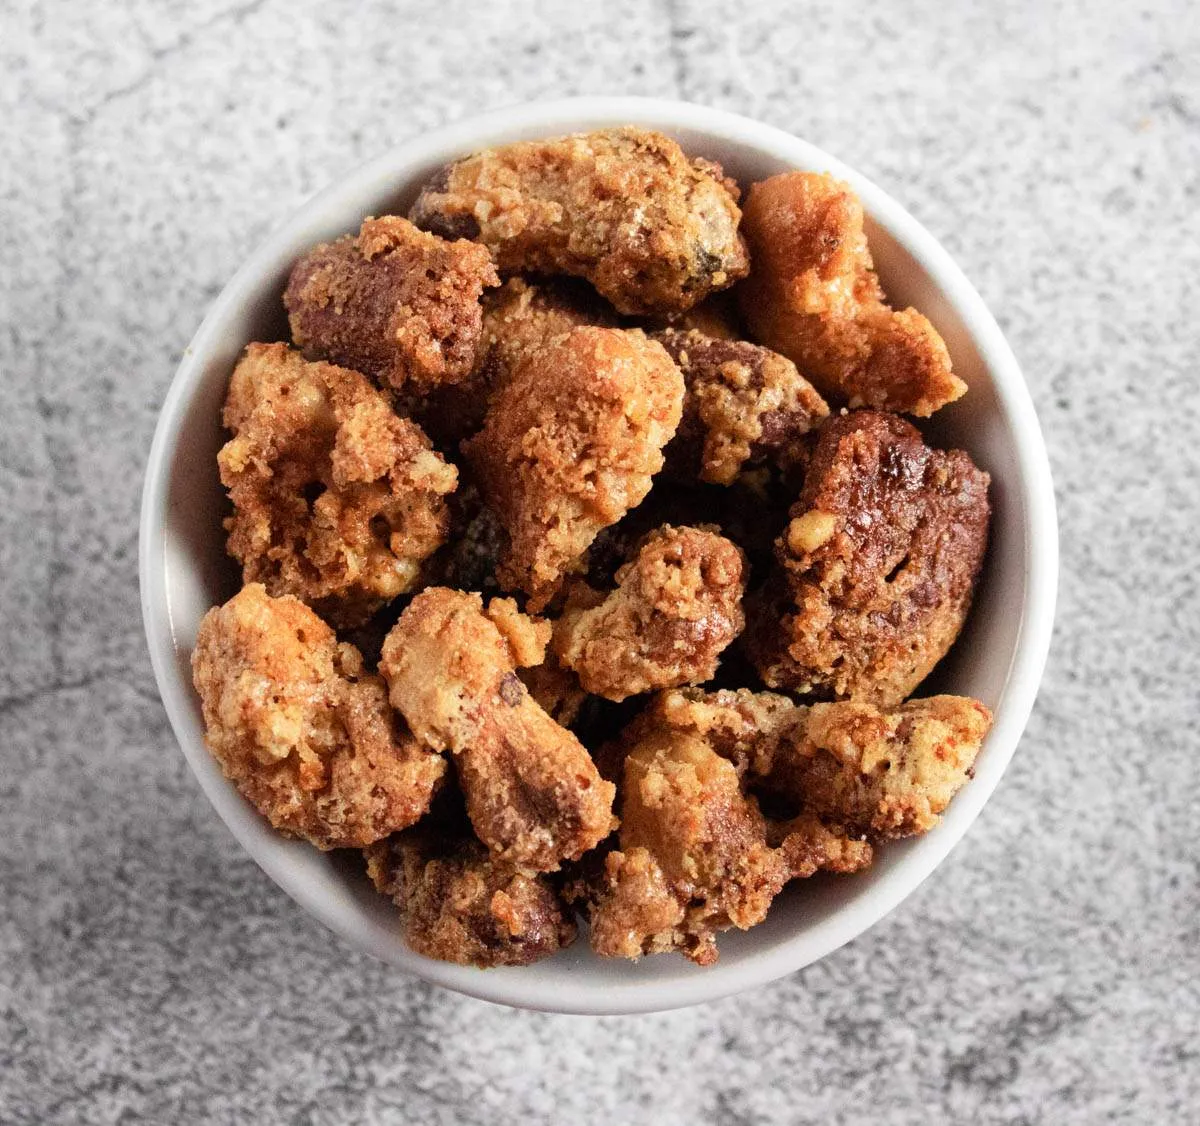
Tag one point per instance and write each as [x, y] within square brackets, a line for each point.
[394, 302]
[571, 442]
[623, 208]
[533, 794]
[677, 606]
[813, 295]
[745, 406]
[306, 737]
[336, 499]
[460, 904]
[887, 773]
[693, 857]
[876, 567]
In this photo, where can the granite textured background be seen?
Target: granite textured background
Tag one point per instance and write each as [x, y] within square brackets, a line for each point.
[1049, 972]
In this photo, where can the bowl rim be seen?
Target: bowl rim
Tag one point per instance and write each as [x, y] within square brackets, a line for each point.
[1034, 487]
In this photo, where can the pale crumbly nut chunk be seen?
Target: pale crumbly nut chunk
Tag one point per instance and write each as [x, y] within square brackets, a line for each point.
[460, 904]
[887, 773]
[306, 737]
[625, 209]
[677, 606]
[693, 858]
[571, 442]
[394, 302]
[814, 296]
[745, 406]
[336, 499]
[876, 567]
[533, 794]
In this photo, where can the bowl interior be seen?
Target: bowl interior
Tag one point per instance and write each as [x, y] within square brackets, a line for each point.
[998, 658]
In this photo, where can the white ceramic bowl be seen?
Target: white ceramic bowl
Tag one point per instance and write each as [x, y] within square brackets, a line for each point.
[999, 658]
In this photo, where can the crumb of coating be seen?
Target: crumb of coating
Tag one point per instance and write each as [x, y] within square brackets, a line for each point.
[303, 733]
[745, 406]
[677, 606]
[571, 442]
[336, 499]
[533, 794]
[394, 302]
[625, 209]
[460, 904]
[876, 566]
[814, 296]
[887, 773]
[692, 860]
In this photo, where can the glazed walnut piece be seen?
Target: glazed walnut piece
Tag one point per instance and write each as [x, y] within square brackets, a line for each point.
[677, 606]
[306, 737]
[625, 209]
[336, 500]
[884, 772]
[533, 794]
[745, 406]
[460, 904]
[394, 302]
[693, 857]
[570, 444]
[876, 566]
[813, 295]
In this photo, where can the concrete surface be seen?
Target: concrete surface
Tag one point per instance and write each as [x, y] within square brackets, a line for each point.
[1049, 971]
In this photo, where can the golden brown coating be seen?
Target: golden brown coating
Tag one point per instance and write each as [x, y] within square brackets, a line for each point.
[394, 302]
[677, 606]
[745, 406]
[810, 845]
[336, 500]
[533, 794]
[742, 726]
[814, 296]
[693, 856]
[888, 773]
[623, 208]
[570, 444]
[460, 904]
[716, 317]
[877, 564]
[306, 737]
[521, 317]
[557, 690]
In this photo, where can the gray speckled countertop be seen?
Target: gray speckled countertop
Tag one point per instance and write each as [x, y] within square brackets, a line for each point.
[150, 972]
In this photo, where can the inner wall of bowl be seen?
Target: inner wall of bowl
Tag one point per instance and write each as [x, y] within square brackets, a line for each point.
[199, 575]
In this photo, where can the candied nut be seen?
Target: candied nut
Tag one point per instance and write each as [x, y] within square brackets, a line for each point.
[870, 609]
[460, 904]
[623, 208]
[745, 407]
[336, 500]
[677, 606]
[533, 794]
[570, 444]
[813, 295]
[394, 302]
[888, 773]
[306, 737]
